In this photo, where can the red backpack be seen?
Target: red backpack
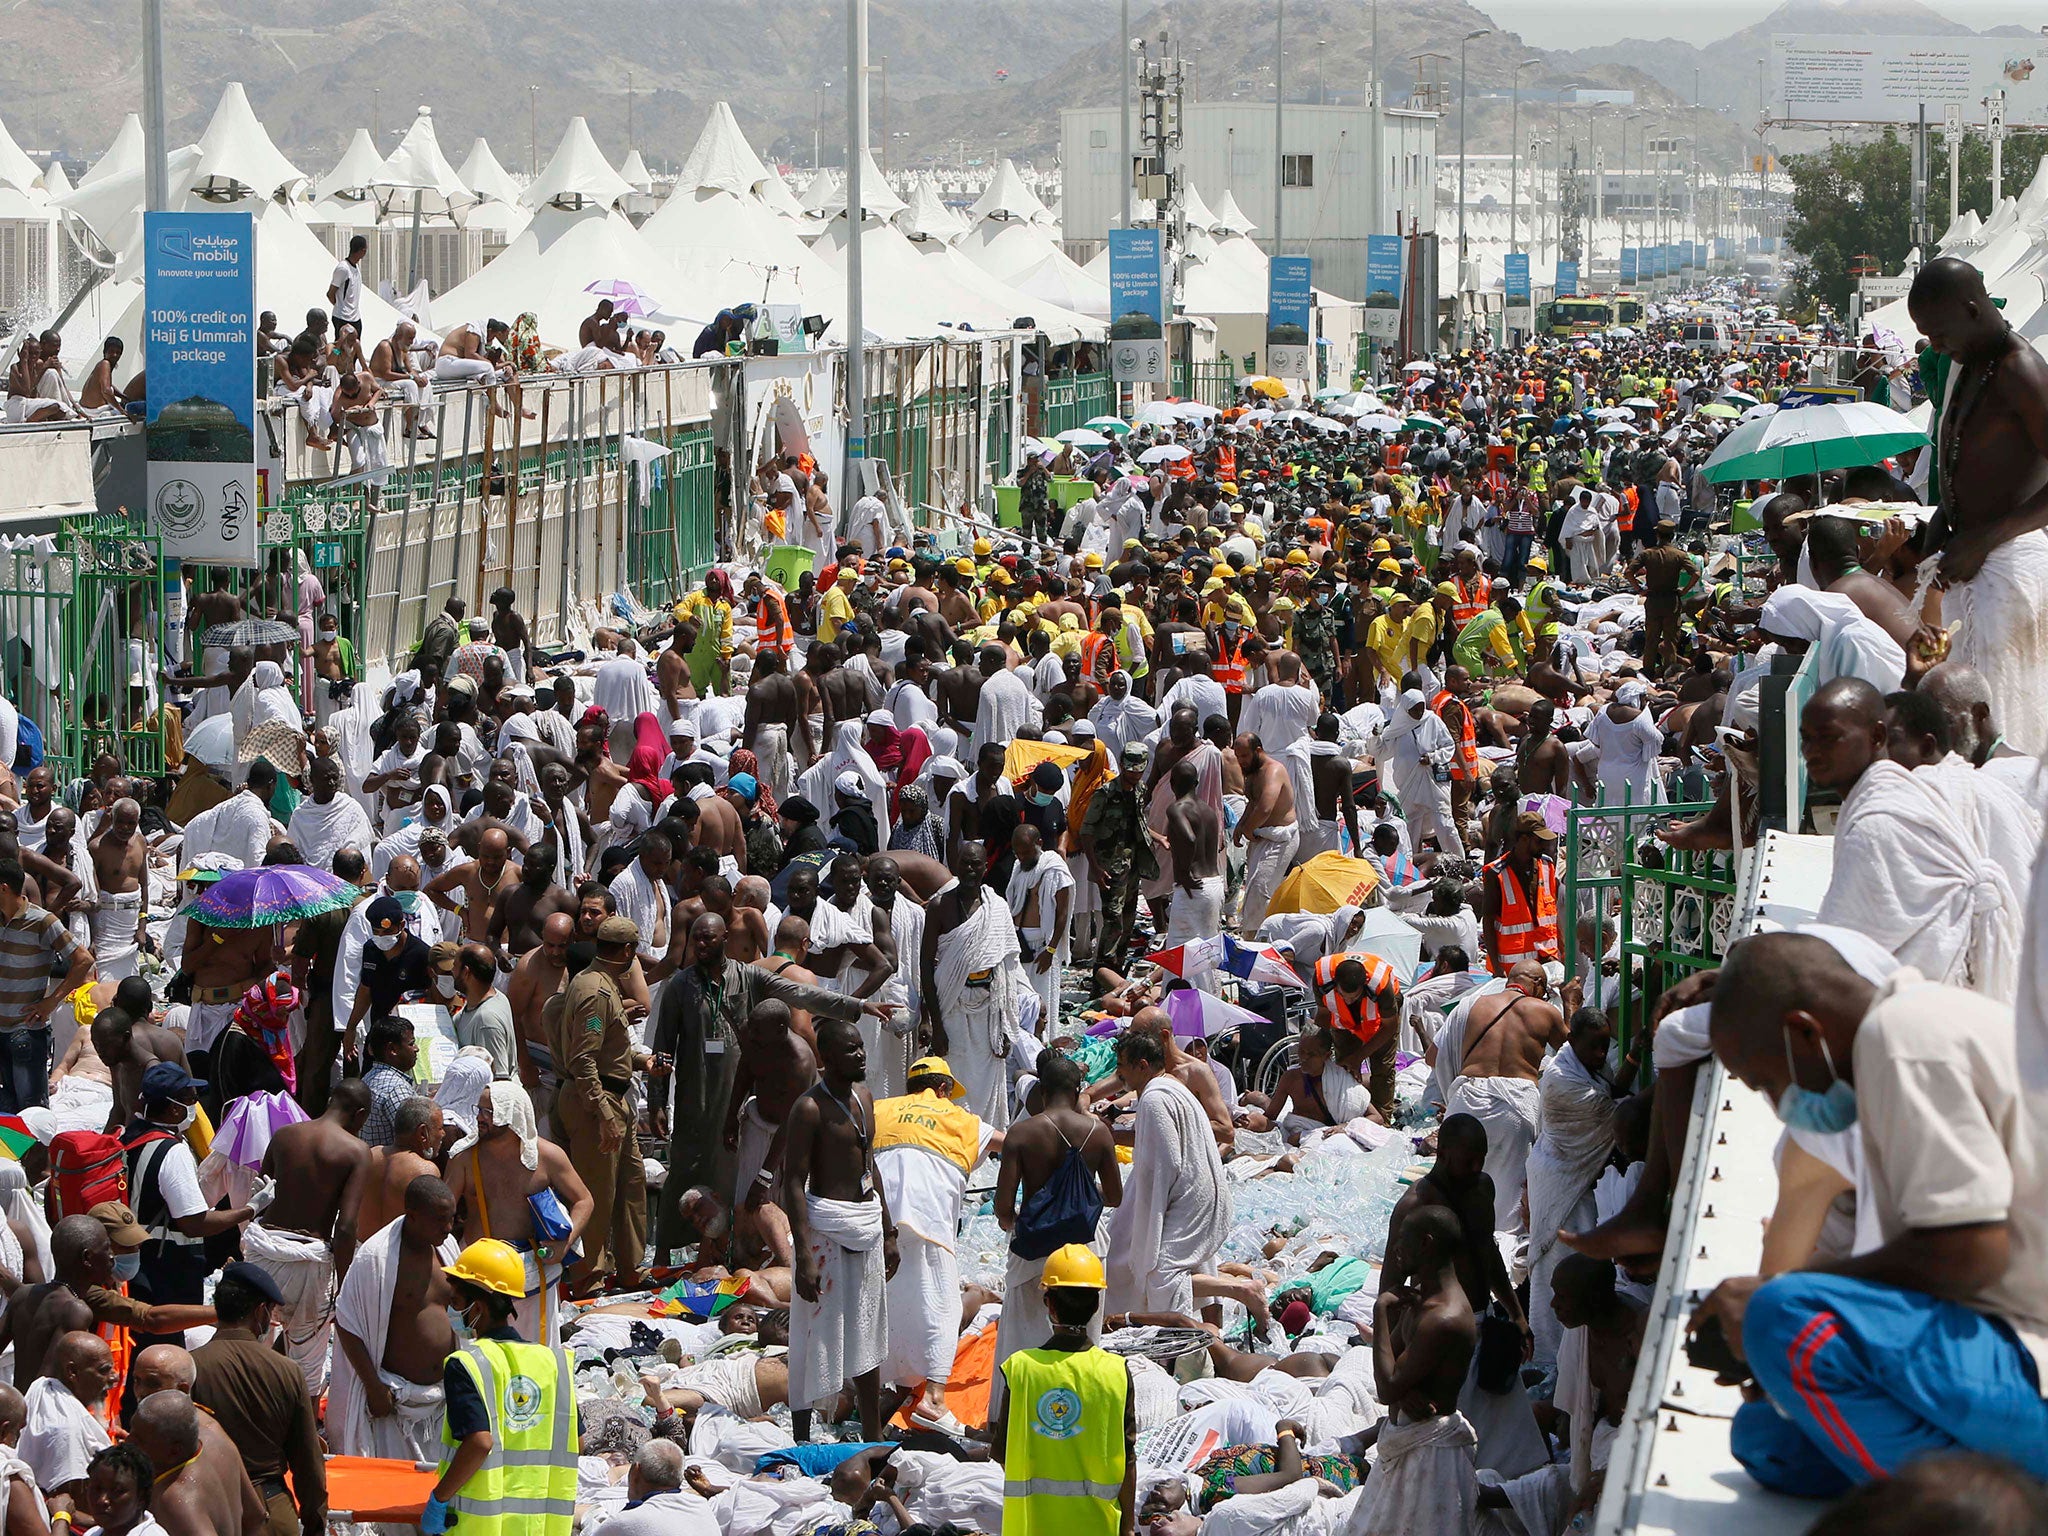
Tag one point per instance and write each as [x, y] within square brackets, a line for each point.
[89, 1168]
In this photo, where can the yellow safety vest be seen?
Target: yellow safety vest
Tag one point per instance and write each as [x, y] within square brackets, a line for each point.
[1063, 1467]
[527, 1486]
[926, 1120]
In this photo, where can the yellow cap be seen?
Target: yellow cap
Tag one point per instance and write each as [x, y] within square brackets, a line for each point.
[1389, 564]
[1297, 557]
[999, 577]
[1283, 605]
[1538, 563]
[1446, 589]
[935, 1066]
[493, 1265]
[1074, 1265]
[1381, 547]
[1092, 560]
[1213, 584]
[964, 566]
[983, 547]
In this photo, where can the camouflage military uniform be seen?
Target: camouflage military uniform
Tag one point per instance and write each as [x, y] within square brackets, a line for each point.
[1315, 641]
[1123, 851]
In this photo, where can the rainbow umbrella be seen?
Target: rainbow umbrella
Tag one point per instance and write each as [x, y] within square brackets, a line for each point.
[263, 898]
[15, 1136]
[686, 1298]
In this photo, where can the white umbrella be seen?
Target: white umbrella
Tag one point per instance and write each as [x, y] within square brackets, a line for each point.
[1612, 413]
[1083, 437]
[1165, 453]
[1640, 403]
[1195, 410]
[1616, 429]
[1379, 423]
[1421, 365]
[1157, 413]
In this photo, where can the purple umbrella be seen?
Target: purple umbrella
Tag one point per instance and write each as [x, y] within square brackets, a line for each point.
[263, 898]
[627, 297]
[1197, 1013]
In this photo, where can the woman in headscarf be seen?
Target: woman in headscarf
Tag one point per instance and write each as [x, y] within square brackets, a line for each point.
[744, 761]
[847, 756]
[643, 768]
[1844, 642]
[436, 809]
[527, 354]
[900, 753]
[268, 722]
[1120, 717]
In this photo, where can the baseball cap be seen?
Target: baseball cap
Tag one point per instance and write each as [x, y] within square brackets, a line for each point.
[167, 1080]
[255, 1279]
[935, 1066]
[618, 930]
[123, 1230]
[1533, 824]
[1136, 752]
[384, 915]
[444, 956]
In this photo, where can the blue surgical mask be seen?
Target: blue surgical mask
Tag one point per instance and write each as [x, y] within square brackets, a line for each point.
[1038, 798]
[459, 1321]
[1822, 1113]
[127, 1266]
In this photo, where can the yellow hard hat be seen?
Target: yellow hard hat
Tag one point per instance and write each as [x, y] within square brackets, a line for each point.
[1538, 563]
[1092, 560]
[1389, 564]
[1074, 1265]
[983, 547]
[1283, 605]
[964, 566]
[935, 1066]
[1381, 547]
[1297, 557]
[493, 1265]
[1447, 589]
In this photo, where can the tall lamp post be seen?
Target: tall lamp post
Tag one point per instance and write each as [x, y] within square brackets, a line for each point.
[1626, 196]
[1464, 116]
[1515, 150]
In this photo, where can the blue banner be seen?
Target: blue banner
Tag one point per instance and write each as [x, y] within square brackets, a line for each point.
[199, 347]
[1515, 266]
[1289, 301]
[1630, 263]
[1137, 306]
[1567, 279]
[1383, 260]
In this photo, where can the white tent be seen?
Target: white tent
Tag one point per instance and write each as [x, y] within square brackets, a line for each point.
[353, 173]
[1006, 196]
[1198, 215]
[1231, 217]
[1025, 256]
[55, 182]
[907, 296]
[16, 169]
[576, 174]
[489, 180]
[821, 196]
[728, 249]
[124, 154]
[926, 217]
[722, 158]
[781, 201]
[633, 170]
[236, 150]
[549, 267]
[418, 176]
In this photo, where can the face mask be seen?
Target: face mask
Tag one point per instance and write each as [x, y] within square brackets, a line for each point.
[127, 1266]
[445, 985]
[191, 1114]
[387, 941]
[459, 1321]
[1823, 1113]
[1041, 799]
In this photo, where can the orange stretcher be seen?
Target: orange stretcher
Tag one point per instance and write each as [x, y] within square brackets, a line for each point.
[371, 1490]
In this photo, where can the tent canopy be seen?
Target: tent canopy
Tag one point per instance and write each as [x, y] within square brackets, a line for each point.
[1006, 196]
[124, 154]
[419, 176]
[577, 173]
[353, 173]
[236, 148]
[489, 180]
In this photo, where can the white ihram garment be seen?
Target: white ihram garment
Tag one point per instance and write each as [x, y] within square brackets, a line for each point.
[1423, 1480]
[1006, 704]
[2004, 635]
[2008, 824]
[1510, 1108]
[981, 1015]
[844, 1332]
[1577, 1137]
[363, 1308]
[1176, 1206]
[1047, 879]
[1269, 854]
[303, 1268]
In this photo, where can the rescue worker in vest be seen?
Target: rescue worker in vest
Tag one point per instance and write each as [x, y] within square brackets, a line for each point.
[1098, 647]
[771, 617]
[1449, 705]
[1067, 1438]
[1518, 900]
[1359, 992]
[511, 1425]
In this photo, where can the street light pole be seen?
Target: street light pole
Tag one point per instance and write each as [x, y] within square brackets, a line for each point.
[1463, 118]
[1279, 115]
[856, 154]
[1123, 108]
[1514, 152]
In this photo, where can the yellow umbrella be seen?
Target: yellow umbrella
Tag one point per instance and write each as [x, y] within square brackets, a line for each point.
[1325, 883]
[1272, 389]
[1024, 756]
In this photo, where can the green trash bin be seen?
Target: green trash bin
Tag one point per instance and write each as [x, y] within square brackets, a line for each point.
[786, 564]
[1009, 506]
[1069, 490]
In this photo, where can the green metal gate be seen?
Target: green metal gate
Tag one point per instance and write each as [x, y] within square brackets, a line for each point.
[1673, 911]
[1215, 383]
[675, 537]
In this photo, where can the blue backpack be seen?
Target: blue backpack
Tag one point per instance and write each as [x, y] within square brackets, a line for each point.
[1064, 1209]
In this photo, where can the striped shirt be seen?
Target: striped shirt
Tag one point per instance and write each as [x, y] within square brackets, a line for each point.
[31, 947]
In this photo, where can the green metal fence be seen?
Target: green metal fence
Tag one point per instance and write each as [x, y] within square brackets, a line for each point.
[1214, 383]
[675, 533]
[1001, 453]
[1672, 912]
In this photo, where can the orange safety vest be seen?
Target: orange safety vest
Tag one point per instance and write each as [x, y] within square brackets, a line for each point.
[1226, 464]
[1229, 668]
[1364, 1020]
[1093, 645]
[771, 623]
[1470, 601]
[1627, 521]
[1465, 765]
[1523, 932]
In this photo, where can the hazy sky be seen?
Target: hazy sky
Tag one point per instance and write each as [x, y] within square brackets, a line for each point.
[1569, 23]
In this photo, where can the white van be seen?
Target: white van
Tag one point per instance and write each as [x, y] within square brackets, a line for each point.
[1706, 334]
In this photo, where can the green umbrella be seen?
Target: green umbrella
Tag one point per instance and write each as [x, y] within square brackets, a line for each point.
[1115, 426]
[1720, 410]
[1421, 423]
[1811, 439]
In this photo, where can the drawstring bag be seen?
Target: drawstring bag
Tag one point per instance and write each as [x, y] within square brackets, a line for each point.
[1064, 1209]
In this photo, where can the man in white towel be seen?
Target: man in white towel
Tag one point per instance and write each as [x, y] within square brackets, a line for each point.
[1176, 1207]
[1572, 1148]
[384, 1397]
[1041, 897]
[327, 819]
[1500, 1059]
[64, 1429]
[1917, 737]
[843, 1235]
[1909, 870]
[1006, 704]
[972, 984]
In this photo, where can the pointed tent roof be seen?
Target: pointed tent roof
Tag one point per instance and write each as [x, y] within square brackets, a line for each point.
[16, 169]
[1025, 256]
[55, 182]
[722, 157]
[1965, 228]
[1006, 196]
[776, 193]
[2035, 198]
[237, 148]
[730, 248]
[635, 171]
[353, 173]
[124, 154]
[417, 170]
[549, 267]
[878, 197]
[489, 180]
[822, 195]
[917, 289]
[1199, 216]
[577, 172]
[926, 217]
[1231, 217]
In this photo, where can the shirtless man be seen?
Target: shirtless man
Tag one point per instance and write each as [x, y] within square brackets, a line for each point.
[82, 1296]
[1194, 833]
[1542, 766]
[829, 1154]
[1506, 1035]
[129, 1043]
[419, 1338]
[120, 860]
[491, 1183]
[776, 1065]
[482, 882]
[80, 1058]
[1194, 1075]
[1329, 771]
[1582, 1295]
[1991, 461]
[746, 931]
[516, 920]
[600, 329]
[419, 1128]
[672, 672]
[1457, 1186]
[772, 704]
[1297, 1106]
[99, 385]
[204, 1490]
[792, 948]
[718, 828]
[812, 703]
[603, 778]
[960, 686]
[539, 975]
[987, 784]
[325, 1167]
[1269, 818]
[844, 693]
[391, 365]
[1424, 1329]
